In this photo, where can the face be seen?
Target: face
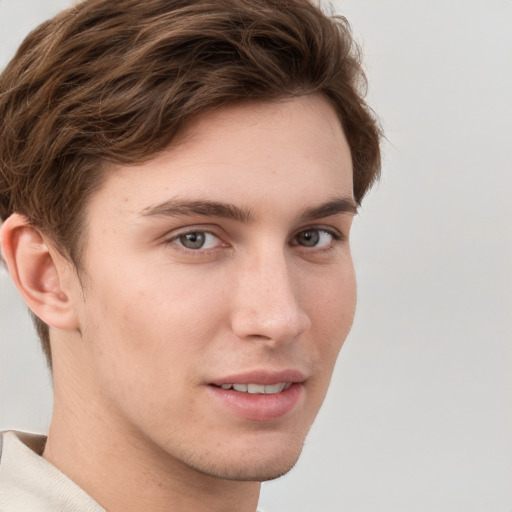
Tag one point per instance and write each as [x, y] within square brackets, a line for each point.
[219, 289]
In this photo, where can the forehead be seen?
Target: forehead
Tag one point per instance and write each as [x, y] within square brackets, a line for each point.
[247, 153]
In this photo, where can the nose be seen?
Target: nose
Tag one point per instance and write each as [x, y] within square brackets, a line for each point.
[267, 300]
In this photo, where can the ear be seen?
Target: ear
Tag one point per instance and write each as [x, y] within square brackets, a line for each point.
[43, 276]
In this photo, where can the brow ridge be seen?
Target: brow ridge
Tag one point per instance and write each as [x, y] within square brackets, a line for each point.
[336, 206]
[176, 207]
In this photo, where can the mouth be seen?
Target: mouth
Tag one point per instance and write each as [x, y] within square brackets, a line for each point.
[260, 396]
[257, 389]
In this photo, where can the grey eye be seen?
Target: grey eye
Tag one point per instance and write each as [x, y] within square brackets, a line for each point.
[314, 238]
[197, 240]
[309, 238]
[194, 240]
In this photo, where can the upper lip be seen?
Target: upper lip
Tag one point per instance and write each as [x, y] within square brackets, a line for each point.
[265, 377]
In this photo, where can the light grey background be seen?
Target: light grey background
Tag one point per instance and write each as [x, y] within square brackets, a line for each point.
[419, 415]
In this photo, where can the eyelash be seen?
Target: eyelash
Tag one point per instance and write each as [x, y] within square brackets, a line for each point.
[335, 235]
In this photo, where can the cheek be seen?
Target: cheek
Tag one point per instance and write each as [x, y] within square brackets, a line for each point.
[333, 307]
[155, 322]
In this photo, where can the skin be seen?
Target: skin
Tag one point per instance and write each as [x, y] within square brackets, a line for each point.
[150, 324]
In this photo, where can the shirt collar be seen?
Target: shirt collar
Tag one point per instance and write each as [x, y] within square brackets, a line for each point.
[29, 482]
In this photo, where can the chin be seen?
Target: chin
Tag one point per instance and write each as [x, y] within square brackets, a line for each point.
[261, 473]
[258, 465]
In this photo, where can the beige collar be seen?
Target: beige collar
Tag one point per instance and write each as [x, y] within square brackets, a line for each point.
[29, 482]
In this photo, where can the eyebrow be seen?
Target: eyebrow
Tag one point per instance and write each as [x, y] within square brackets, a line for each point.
[336, 206]
[175, 208]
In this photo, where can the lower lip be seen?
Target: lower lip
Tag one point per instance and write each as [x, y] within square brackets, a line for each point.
[255, 407]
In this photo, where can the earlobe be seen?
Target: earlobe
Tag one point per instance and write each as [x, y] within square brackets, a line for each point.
[38, 271]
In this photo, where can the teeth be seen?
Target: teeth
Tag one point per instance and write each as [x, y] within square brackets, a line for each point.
[258, 389]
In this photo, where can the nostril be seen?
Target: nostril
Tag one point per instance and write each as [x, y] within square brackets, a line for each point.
[259, 336]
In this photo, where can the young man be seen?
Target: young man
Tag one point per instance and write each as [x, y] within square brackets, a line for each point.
[177, 185]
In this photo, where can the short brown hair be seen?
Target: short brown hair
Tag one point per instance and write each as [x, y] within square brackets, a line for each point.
[114, 82]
